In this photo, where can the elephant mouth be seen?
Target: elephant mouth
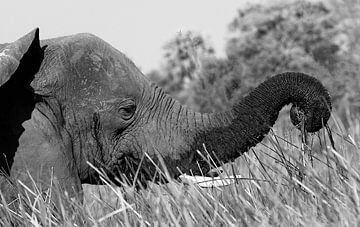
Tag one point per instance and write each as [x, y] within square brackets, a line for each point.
[306, 120]
[132, 171]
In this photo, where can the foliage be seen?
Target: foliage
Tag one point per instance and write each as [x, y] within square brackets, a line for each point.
[181, 65]
[289, 36]
[298, 36]
[312, 37]
[346, 73]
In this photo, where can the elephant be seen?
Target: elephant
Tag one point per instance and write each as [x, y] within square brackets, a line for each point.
[74, 100]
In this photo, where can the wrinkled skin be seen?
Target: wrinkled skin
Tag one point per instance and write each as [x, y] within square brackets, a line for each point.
[72, 100]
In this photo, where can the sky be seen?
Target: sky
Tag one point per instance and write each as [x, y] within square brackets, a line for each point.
[138, 28]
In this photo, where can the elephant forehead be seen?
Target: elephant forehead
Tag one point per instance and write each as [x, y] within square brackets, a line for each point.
[84, 69]
[90, 67]
[97, 71]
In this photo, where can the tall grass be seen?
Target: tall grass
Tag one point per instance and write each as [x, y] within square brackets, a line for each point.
[282, 181]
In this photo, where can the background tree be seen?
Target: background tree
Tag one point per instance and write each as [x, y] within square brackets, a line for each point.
[181, 63]
[312, 37]
[297, 36]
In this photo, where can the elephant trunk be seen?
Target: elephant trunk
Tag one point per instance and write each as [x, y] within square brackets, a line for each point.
[229, 134]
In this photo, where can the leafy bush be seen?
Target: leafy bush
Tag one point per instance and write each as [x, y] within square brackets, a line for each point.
[310, 37]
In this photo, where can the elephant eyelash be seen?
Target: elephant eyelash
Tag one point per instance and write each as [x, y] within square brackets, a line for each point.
[128, 111]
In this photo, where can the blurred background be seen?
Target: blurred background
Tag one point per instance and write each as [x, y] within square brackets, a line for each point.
[208, 54]
[320, 38]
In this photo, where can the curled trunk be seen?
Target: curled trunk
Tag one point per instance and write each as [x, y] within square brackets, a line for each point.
[229, 134]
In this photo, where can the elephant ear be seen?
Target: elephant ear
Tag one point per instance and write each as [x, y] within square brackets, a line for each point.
[20, 60]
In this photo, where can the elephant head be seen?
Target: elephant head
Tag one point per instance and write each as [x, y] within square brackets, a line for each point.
[72, 100]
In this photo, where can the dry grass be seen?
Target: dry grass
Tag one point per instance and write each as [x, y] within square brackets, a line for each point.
[283, 182]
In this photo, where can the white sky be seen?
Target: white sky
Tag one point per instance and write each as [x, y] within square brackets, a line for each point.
[139, 28]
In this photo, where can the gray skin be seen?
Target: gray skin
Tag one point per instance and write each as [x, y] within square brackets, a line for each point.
[76, 99]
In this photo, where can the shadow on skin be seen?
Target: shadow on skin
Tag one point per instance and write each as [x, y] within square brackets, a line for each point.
[18, 100]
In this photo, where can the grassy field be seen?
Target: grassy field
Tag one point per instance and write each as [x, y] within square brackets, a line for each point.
[281, 182]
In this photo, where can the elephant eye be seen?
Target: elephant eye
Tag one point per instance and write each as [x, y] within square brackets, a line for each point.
[127, 111]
